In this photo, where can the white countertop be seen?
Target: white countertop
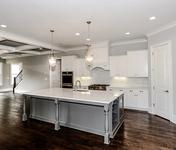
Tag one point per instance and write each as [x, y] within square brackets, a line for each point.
[92, 97]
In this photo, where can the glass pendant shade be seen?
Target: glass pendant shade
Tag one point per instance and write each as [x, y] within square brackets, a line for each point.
[52, 61]
[89, 56]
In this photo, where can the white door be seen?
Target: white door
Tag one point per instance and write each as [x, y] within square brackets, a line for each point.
[161, 80]
[55, 75]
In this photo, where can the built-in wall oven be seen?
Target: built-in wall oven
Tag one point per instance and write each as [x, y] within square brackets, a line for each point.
[67, 79]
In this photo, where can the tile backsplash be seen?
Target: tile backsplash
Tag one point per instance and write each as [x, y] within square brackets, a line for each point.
[100, 76]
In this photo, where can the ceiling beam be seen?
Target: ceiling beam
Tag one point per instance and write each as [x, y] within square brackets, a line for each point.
[31, 52]
[9, 48]
[14, 56]
[28, 53]
[29, 41]
[26, 47]
[1, 39]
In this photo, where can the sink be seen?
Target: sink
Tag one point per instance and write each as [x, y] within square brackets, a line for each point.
[81, 90]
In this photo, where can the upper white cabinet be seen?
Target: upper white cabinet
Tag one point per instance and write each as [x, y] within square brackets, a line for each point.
[100, 53]
[68, 63]
[118, 66]
[137, 62]
[82, 68]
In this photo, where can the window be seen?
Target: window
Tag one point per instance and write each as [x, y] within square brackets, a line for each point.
[15, 70]
[1, 74]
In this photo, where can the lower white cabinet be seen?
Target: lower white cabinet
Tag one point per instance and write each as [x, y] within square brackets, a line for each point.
[134, 98]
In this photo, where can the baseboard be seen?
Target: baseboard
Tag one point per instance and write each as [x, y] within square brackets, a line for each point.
[136, 108]
[150, 111]
[174, 119]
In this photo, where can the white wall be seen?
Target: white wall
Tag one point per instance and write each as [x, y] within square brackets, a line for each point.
[35, 72]
[168, 35]
[6, 76]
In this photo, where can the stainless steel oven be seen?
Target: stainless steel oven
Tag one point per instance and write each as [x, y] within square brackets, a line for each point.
[67, 79]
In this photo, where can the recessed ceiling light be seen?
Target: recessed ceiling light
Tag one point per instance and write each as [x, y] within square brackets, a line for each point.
[88, 39]
[152, 18]
[127, 33]
[3, 26]
[77, 34]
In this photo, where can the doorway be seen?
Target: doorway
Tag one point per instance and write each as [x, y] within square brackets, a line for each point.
[162, 80]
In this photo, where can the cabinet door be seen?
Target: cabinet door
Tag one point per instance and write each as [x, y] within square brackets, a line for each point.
[137, 63]
[143, 99]
[131, 98]
[118, 66]
[68, 63]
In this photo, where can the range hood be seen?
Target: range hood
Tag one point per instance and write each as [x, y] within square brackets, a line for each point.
[100, 53]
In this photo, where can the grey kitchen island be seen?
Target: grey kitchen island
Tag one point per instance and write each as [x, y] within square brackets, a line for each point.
[98, 112]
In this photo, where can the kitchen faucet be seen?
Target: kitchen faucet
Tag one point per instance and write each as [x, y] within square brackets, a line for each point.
[76, 86]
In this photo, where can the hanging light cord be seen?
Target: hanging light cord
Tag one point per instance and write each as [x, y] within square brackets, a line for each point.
[52, 51]
[88, 33]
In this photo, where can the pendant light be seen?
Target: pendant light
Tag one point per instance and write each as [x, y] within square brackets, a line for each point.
[52, 59]
[89, 56]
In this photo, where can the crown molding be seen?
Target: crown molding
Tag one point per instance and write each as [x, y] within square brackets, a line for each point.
[163, 28]
[142, 40]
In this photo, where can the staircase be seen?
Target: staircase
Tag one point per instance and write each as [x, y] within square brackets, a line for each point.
[17, 80]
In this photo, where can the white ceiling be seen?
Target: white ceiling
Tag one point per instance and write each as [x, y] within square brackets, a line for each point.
[110, 18]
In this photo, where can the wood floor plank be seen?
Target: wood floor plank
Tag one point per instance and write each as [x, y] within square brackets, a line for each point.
[140, 131]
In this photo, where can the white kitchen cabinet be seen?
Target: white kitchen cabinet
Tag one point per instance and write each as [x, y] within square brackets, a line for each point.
[131, 98]
[100, 53]
[137, 62]
[143, 99]
[82, 69]
[68, 63]
[118, 66]
[134, 98]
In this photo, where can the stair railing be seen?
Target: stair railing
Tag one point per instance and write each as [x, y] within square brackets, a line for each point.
[17, 80]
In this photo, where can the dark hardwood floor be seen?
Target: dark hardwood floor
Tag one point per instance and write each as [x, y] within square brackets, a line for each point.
[140, 131]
